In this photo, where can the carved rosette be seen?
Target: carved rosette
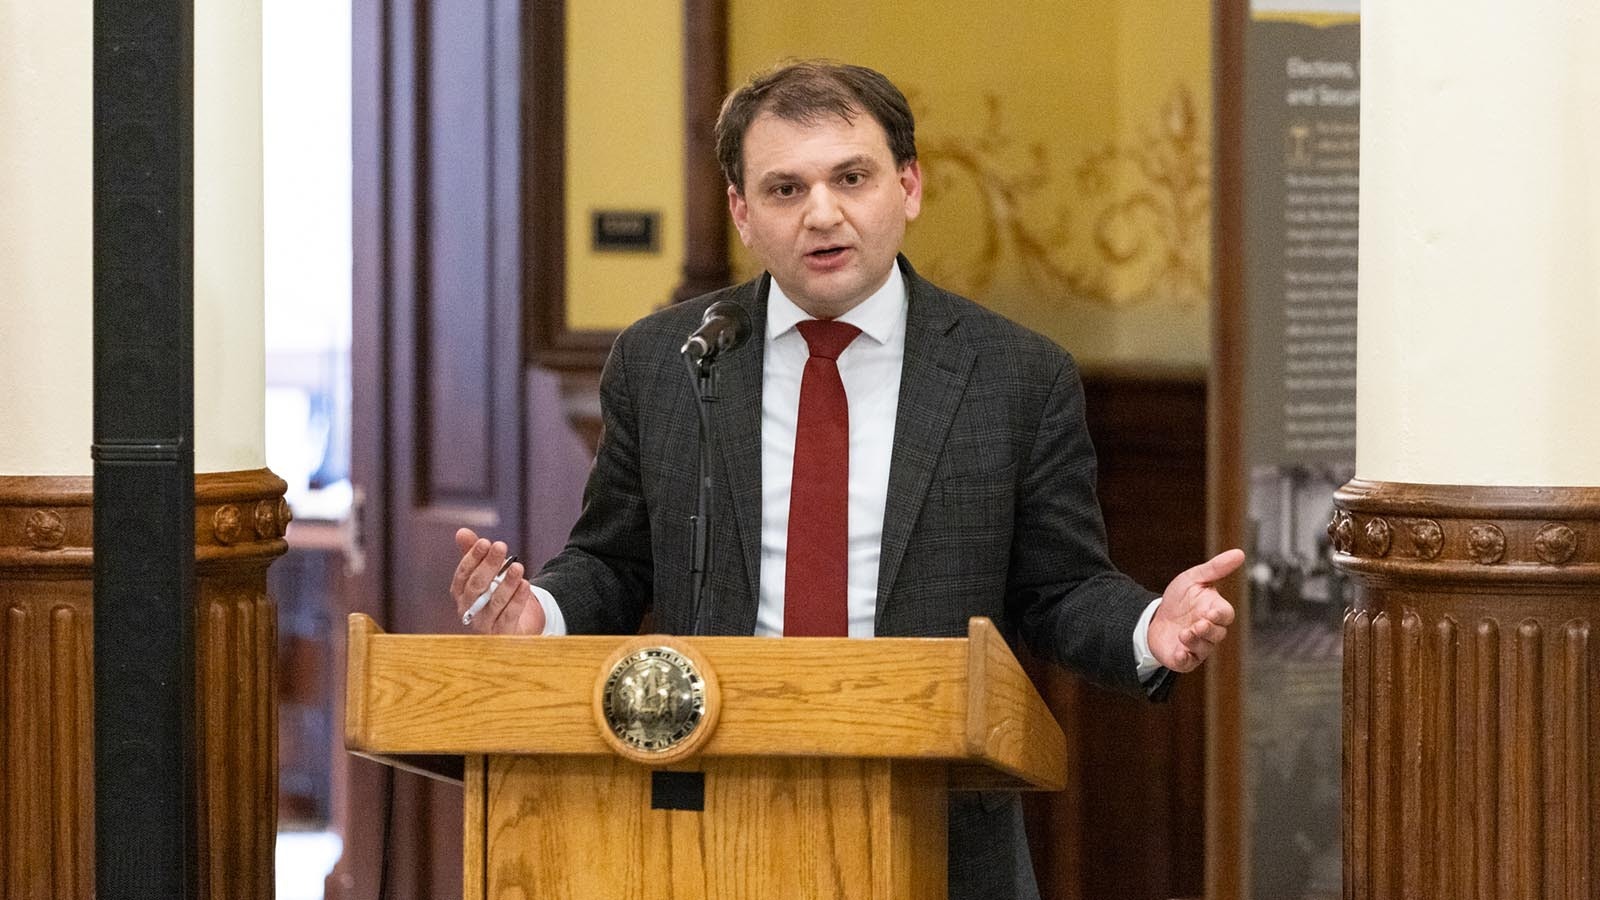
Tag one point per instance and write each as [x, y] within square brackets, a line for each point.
[225, 524]
[1342, 531]
[1427, 538]
[44, 530]
[1471, 745]
[1378, 536]
[46, 638]
[1556, 544]
[1486, 544]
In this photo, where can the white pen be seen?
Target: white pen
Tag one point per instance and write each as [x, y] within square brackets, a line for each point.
[483, 598]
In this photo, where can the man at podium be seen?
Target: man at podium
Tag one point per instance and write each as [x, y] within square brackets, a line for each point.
[892, 459]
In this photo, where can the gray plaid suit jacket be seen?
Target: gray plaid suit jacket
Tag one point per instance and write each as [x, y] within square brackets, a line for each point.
[991, 512]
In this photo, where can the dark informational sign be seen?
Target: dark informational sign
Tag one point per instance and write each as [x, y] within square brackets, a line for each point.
[1302, 134]
[1302, 142]
[626, 230]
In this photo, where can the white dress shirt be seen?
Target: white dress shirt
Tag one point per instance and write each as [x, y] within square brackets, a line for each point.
[870, 369]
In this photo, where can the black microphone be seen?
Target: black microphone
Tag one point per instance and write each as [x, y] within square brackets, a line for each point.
[725, 326]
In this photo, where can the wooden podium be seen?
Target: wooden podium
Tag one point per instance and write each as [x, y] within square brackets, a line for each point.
[811, 768]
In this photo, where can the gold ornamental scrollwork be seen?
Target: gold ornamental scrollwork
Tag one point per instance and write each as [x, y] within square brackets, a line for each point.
[1133, 229]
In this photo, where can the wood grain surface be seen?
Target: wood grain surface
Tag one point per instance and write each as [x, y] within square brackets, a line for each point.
[1005, 714]
[583, 829]
[1470, 743]
[816, 697]
[47, 681]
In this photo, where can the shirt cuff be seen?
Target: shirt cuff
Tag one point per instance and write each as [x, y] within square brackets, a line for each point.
[555, 624]
[1142, 657]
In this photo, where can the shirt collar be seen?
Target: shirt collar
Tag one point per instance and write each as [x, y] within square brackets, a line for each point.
[878, 316]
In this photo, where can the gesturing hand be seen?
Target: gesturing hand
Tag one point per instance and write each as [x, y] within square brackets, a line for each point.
[512, 609]
[1193, 618]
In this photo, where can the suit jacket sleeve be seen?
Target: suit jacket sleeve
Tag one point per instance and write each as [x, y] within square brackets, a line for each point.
[602, 579]
[1070, 603]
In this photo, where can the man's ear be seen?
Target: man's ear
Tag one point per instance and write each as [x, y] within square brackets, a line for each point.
[740, 212]
[911, 181]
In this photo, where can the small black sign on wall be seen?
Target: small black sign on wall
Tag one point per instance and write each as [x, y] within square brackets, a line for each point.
[632, 231]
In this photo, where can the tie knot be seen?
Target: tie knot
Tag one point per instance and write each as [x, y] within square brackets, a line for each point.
[827, 338]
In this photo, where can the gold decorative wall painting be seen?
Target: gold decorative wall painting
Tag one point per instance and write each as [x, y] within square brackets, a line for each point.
[1130, 226]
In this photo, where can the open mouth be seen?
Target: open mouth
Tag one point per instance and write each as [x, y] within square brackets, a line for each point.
[827, 253]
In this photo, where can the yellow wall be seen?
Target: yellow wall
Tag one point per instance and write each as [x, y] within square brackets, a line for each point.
[624, 151]
[1066, 151]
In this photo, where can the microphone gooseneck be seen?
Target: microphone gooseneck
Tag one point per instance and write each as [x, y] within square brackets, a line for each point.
[724, 328]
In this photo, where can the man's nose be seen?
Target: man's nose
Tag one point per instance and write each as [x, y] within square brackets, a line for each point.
[822, 209]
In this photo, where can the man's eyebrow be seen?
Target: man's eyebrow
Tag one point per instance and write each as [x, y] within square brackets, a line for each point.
[775, 177]
[859, 161]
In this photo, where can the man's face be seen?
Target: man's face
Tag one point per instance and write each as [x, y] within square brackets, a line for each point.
[824, 207]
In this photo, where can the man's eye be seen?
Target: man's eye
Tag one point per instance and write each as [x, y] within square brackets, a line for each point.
[785, 190]
[852, 179]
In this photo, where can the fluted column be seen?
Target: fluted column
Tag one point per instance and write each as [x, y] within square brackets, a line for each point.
[1472, 754]
[46, 563]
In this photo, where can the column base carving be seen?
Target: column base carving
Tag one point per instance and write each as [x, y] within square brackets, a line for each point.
[47, 680]
[1470, 746]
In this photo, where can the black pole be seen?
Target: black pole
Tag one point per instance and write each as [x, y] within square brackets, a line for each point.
[145, 819]
[703, 372]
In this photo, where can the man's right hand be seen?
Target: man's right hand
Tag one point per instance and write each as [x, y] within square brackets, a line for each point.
[513, 609]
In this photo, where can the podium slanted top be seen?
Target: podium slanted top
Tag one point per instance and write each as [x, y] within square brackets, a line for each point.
[411, 699]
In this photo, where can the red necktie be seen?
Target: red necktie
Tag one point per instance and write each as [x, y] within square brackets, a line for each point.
[815, 570]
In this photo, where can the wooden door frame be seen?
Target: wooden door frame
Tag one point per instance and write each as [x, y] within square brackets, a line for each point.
[384, 110]
[1227, 837]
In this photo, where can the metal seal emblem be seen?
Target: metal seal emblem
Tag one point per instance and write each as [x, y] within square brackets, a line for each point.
[654, 699]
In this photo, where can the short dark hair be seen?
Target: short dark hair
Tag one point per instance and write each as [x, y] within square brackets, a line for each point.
[807, 91]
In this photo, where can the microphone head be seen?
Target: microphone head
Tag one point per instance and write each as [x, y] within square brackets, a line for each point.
[735, 327]
[724, 327]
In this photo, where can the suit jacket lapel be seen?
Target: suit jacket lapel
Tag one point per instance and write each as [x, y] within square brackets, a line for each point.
[932, 380]
[736, 416]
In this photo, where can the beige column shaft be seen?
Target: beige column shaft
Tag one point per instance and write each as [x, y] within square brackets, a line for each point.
[1480, 243]
[45, 239]
[46, 429]
[1471, 744]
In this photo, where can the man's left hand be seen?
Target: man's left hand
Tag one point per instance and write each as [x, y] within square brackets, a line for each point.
[1193, 618]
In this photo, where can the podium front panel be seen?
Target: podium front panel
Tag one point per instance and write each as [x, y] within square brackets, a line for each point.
[588, 828]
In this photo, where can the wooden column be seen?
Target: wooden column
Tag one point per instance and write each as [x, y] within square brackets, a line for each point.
[240, 518]
[1473, 525]
[46, 688]
[1472, 754]
[46, 684]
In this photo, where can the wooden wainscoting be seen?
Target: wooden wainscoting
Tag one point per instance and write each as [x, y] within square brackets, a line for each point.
[1131, 822]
